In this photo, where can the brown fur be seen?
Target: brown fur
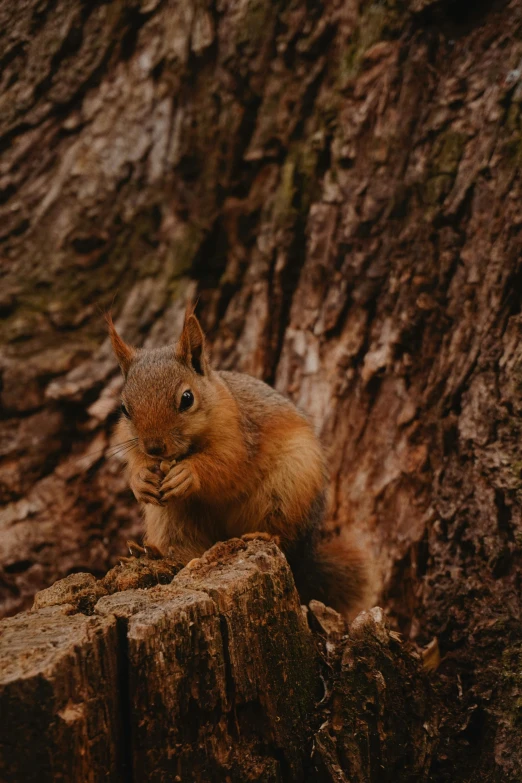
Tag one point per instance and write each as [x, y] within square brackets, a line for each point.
[241, 460]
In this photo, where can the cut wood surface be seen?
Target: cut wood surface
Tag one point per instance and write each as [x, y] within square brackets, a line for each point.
[219, 675]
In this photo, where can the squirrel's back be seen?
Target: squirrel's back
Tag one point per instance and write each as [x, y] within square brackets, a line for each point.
[257, 401]
[256, 395]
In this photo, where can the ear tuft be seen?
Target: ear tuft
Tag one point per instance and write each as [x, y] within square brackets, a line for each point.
[191, 345]
[123, 352]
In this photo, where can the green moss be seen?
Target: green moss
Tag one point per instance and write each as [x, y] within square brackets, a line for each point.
[255, 24]
[285, 192]
[183, 250]
[378, 21]
[516, 469]
[299, 183]
[511, 665]
[512, 122]
[447, 153]
[79, 284]
[369, 31]
[437, 188]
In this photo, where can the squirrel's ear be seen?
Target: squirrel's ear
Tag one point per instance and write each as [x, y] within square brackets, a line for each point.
[124, 353]
[191, 346]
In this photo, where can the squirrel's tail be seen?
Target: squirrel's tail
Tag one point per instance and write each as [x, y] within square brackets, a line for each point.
[330, 567]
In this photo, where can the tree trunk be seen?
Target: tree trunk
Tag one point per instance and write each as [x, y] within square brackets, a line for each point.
[338, 183]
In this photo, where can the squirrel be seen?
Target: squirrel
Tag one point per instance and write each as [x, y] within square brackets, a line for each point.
[214, 455]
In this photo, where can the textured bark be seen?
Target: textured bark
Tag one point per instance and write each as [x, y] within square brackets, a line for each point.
[215, 676]
[339, 184]
[382, 721]
[59, 698]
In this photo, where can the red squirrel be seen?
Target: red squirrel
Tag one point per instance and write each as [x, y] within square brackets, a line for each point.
[215, 455]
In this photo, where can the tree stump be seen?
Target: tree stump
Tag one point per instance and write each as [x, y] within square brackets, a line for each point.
[219, 675]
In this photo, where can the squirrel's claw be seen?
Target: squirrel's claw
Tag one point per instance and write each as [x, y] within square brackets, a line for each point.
[180, 480]
[145, 486]
[136, 550]
[180, 490]
[153, 552]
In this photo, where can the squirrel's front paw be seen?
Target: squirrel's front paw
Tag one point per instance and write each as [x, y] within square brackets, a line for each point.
[180, 481]
[146, 486]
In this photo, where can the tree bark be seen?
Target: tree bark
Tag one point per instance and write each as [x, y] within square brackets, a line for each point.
[338, 183]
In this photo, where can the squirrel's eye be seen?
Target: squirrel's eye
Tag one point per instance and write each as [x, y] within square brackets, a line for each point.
[187, 398]
[125, 411]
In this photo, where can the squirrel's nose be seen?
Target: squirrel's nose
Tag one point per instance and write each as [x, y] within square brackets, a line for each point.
[156, 448]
